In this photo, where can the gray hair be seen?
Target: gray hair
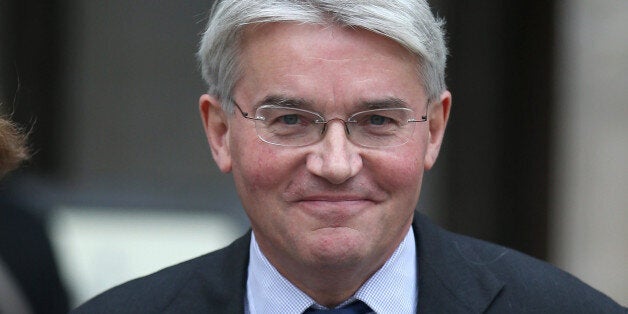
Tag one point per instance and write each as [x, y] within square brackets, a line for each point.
[408, 22]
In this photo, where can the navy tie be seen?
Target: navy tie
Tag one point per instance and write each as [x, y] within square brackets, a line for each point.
[357, 307]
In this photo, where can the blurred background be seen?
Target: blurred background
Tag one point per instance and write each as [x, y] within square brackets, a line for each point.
[535, 156]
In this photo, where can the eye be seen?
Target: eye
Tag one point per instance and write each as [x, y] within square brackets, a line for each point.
[284, 124]
[282, 120]
[378, 120]
[290, 119]
[284, 117]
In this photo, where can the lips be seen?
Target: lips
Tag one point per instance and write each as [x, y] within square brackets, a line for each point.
[348, 206]
[333, 210]
[335, 201]
[333, 204]
[334, 198]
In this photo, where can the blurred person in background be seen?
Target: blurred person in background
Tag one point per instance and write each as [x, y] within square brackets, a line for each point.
[29, 279]
[327, 114]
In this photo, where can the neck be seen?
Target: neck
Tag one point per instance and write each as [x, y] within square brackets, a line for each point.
[331, 287]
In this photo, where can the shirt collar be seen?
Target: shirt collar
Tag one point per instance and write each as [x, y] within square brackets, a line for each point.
[392, 289]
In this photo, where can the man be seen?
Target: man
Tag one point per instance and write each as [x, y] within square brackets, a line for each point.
[327, 113]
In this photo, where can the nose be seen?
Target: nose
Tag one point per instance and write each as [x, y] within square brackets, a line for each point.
[334, 158]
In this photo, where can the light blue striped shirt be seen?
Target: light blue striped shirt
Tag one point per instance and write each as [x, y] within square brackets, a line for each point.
[392, 289]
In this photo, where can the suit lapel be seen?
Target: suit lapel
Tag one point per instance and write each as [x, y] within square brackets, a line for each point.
[225, 278]
[449, 280]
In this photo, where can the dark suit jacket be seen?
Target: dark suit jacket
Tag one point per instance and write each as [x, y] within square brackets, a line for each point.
[457, 274]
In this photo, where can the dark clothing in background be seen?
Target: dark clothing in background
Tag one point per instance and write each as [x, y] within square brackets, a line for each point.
[26, 251]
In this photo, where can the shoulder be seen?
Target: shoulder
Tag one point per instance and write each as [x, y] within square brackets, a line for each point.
[507, 280]
[196, 285]
[531, 284]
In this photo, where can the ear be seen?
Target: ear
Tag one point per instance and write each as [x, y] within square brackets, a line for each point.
[216, 128]
[437, 118]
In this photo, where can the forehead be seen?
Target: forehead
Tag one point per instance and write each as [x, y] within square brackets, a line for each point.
[325, 64]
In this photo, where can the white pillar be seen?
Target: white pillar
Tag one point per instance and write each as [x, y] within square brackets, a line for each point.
[589, 228]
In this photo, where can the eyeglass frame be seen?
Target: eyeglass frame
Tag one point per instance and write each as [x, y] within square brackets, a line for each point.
[324, 122]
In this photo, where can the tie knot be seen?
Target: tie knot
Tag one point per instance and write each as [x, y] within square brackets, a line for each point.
[357, 307]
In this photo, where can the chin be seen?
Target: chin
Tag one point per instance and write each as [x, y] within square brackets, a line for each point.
[337, 246]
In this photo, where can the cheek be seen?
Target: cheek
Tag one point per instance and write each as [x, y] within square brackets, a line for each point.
[260, 167]
[397, 171]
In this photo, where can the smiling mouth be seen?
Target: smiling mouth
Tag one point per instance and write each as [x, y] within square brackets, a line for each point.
[332, 198]
[334, 211]
[335, 202]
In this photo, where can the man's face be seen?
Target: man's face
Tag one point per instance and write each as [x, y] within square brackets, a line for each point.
[332, 203]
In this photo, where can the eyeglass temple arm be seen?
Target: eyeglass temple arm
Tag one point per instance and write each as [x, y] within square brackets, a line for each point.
[244, 114]
[423, 119]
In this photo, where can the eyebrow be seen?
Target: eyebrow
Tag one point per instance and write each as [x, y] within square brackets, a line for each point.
[388, 102]
[277, 100]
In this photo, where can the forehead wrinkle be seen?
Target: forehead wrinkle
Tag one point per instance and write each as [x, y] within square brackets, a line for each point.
[295, 75]
[339, 60]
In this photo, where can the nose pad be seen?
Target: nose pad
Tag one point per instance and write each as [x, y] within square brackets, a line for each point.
[347, 131]
[335, 158]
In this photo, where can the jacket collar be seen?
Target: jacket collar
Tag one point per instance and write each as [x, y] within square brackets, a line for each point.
[450, 281]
